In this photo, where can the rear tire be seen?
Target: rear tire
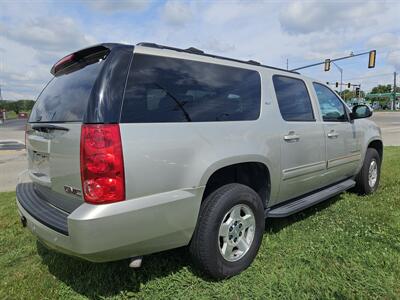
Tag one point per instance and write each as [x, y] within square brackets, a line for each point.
[229, 231]
[367, 181]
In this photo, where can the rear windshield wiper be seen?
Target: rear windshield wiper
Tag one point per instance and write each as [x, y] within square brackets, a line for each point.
[47, 128]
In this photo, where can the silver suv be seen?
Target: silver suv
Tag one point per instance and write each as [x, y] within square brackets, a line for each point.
[138, 149]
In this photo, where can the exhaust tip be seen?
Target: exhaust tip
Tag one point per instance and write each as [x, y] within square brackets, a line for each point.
[136, 262]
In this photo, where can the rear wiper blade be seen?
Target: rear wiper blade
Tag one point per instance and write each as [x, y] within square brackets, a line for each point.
[48, 127]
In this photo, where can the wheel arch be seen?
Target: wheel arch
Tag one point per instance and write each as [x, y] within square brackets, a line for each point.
[253, 171]
[376, 144]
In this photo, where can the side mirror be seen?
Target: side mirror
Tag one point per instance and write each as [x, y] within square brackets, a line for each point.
[361, 111]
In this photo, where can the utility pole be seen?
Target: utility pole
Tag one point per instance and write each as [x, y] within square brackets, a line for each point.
[287, 63]
[394, 91]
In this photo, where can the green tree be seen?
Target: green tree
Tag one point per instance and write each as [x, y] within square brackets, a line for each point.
[14, 106]
[25, 105]
[3, 104]
[347, 95]
[380, 88]
[17, 106]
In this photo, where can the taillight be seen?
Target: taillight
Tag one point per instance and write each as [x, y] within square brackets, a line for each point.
[102, 164]
[63, 62]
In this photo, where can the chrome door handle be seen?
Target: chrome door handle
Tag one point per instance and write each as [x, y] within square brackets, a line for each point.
[291, 137]
[333, 134]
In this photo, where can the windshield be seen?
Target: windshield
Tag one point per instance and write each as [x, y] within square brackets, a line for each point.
[65, 98]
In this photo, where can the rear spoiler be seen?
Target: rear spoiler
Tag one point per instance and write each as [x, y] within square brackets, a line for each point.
[79, 59]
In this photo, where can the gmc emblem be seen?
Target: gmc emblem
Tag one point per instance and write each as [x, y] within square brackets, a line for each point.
[71, 190]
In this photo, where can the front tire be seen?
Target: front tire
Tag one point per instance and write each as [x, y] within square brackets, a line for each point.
[367, 181]
[229, 231]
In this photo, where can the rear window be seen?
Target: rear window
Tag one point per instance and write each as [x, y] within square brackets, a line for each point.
[65, 98]
[161, 89]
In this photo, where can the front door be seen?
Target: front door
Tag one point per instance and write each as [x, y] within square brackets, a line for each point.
[302, 139]
[343, 148]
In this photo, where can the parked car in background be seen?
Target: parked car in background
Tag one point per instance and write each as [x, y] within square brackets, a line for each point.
[138, 149]
[376, 105]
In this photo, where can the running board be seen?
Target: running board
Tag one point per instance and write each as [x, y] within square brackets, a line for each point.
[310, 200]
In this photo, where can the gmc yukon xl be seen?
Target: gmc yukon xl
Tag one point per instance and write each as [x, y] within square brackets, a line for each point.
[138, 149]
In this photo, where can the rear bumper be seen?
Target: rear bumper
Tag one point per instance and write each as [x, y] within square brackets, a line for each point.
[116, 231]
[41, 210]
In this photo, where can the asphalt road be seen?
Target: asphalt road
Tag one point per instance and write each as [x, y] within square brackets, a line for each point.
[15, 124]
[389, 122]
[13, 155]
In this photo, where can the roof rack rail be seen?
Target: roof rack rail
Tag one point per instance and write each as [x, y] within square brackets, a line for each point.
[253, 62]
[193, 50]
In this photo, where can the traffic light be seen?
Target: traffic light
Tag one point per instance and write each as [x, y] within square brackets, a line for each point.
[357, 92]
[337, 84]
[327, 65]
[372, 58]
[348, 85]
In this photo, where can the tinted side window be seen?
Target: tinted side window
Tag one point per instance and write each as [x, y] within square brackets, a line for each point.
[293, 99]
[332, 108]
[162, 89]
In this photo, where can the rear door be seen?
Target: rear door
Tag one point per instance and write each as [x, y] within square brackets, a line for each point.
[53, 134]
[343, 147]
[302, 139]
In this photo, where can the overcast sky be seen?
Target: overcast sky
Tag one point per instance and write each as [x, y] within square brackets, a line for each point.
[35, 34]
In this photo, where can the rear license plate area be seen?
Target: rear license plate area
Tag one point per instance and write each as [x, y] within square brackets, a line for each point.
[40, 164]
